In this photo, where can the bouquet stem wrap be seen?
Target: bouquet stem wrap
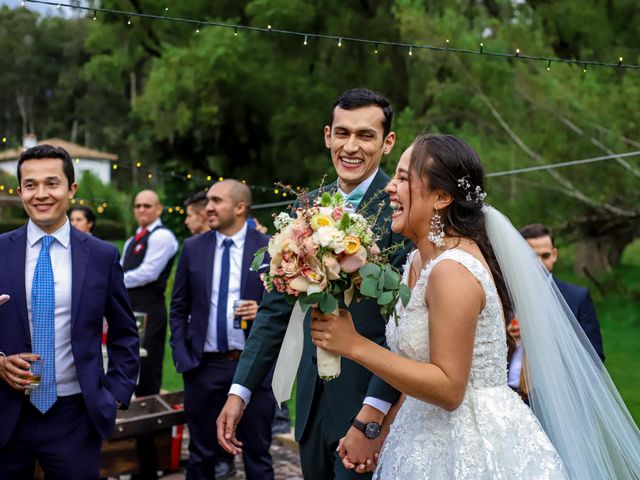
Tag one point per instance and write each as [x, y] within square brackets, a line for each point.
[328, 363]
[290, 354]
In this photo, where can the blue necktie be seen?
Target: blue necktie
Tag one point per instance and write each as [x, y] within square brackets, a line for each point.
[355, 197]
[223, 294]
[43, 303]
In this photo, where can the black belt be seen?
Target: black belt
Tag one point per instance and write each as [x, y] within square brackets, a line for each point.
[228, 355]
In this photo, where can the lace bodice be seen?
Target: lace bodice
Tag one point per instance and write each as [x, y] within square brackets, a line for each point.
[492, 434]
[410, 337]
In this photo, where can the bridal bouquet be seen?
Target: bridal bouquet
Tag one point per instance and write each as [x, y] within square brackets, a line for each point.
[322, 255]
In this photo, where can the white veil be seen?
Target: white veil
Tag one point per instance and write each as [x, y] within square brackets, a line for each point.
[570, 391]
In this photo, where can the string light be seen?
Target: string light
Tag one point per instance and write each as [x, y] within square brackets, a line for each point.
[2, 187]
[447, 42]
[410, 50]
[306, 38]
[150, 176]
[77, 160]
[340, 42]
[81, 202]
[235, 31]
[115, 166]
[170, 210]
[584, 70]
[138, 164]
[4, 139]
[208, 178]
[220, 179]
[100, 210]
[11, 191]
[276, 191]
[130, 15]
[188, 176]
[549, 66]
[481, 46]
[375, 49]
[95, 15]
[104, 205]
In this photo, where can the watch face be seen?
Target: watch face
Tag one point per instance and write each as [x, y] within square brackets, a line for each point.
[372, 430]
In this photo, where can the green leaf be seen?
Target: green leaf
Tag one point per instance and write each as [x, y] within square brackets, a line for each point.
[369, 287]
[370, 269]
[391, 280]
[325, 200]
[381, 282]
[258, 258]
[348, 295]
[385, 298]
[328, 304]
[345, 222]
[405, 294]
[312, 299]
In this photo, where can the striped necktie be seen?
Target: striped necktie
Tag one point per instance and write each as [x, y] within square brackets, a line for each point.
[43, 303]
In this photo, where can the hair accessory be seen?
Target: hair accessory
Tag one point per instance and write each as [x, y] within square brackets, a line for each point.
[475, 195]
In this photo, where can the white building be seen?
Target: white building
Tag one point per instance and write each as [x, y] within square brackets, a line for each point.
[84, 159]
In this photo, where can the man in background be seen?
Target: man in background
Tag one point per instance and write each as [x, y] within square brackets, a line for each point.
[196, 220]
[207, 336]
[540, 239]
[147, 260]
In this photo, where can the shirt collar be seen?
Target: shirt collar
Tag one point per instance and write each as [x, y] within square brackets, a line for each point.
[364, 186]
[151, 226]
[62, 235]
[238, 238]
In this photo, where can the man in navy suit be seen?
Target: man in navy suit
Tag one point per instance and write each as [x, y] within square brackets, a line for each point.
[213, 273]
[540, 239]
[61, 284]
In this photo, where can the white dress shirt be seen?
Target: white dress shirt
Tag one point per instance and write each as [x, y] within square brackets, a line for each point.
[235, 336]
[161, 247]
[60, 253]
[381, 405]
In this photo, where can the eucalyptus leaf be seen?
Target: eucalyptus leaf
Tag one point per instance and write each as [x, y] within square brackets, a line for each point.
[258, 258]
[385, 298]
[405, 294]
[391, 279]
[370, 269]
[328, 304]
[312, 299]
[369, 287]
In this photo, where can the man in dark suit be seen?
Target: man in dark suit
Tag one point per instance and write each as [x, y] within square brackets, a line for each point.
[540, 239]
[213, 273]
[359, 135]
[61, 284]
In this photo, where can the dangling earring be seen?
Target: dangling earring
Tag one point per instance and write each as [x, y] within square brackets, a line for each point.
[436, 232]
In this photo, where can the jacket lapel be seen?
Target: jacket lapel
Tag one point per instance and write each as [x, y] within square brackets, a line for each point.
[247, 258]
[79, 262]
[209, 253]
[375, 194]
[16, 256]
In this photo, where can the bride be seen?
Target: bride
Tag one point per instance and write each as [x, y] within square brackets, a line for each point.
[457, 417]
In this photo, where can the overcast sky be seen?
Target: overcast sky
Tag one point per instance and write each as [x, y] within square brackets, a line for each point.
[40, 8]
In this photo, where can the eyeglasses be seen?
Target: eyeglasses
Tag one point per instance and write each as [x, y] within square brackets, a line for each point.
[142, 205]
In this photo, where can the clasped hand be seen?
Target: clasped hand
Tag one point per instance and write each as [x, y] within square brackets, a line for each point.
[335, 334]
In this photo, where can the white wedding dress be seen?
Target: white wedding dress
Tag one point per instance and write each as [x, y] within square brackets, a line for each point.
[492, 434]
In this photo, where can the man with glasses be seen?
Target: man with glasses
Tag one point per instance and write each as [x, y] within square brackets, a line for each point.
[147, 260]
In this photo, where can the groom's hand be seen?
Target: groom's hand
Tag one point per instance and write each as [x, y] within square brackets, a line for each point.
[357, 451]
[227, 422]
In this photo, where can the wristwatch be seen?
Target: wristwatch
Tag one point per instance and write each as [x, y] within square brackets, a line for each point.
[371, 430]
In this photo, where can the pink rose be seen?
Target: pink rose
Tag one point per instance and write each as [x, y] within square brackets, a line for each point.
[337, 214]
[351, 263]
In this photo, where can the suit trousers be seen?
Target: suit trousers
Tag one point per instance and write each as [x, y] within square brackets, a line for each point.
[205, 392]
[63, 440]
[153, 342]
[318, 457]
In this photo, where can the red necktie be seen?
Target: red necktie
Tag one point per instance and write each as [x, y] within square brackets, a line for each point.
[140, 234]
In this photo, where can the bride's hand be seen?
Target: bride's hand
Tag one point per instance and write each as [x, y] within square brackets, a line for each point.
[367, 467]
[332, 333]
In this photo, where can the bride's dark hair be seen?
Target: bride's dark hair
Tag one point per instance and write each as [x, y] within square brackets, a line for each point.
[445, 161]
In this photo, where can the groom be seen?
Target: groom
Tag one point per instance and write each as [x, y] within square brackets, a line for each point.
[358, 137]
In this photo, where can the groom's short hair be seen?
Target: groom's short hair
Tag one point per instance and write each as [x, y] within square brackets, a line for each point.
[363, 97]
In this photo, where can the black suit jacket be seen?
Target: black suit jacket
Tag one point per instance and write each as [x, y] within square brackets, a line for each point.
[580, 303]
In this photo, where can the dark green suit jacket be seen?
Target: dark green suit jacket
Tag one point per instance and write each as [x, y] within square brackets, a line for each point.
[346, 393]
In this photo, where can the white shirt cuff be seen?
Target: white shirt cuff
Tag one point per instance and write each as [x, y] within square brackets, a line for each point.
[243, 392]
[378, 404]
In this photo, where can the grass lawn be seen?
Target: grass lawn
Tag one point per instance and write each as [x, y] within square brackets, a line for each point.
[618, 310]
